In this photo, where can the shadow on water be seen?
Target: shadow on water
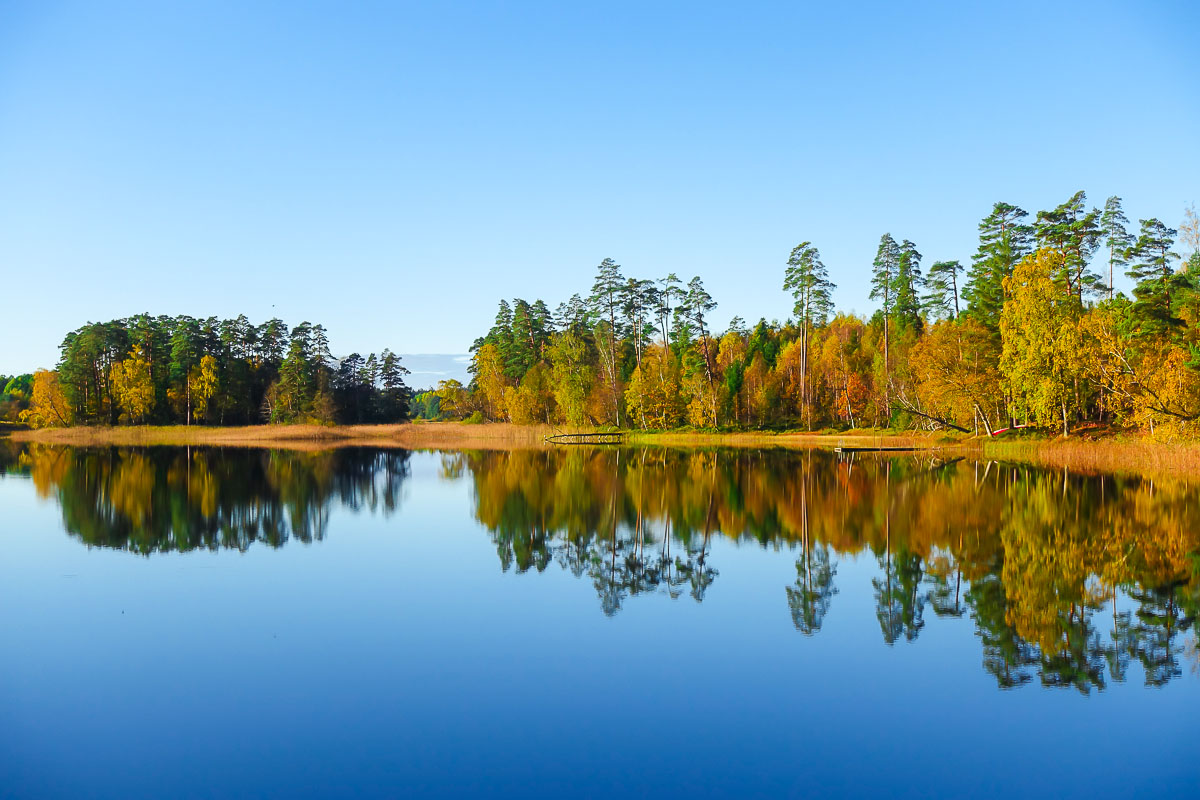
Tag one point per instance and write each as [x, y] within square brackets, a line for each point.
[1068, 579]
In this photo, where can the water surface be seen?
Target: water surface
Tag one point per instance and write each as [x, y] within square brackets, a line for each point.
[201, 622]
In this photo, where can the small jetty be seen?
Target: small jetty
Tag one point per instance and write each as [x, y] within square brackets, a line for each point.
[584, 438]
[878, 449]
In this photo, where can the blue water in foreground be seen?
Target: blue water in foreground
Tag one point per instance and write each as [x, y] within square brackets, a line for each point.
[394, 656]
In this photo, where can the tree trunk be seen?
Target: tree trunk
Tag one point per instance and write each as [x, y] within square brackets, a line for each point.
[939, 421]
[708, 371]
[887, 370]
[987, 425]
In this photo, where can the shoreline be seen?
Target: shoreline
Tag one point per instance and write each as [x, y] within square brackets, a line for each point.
[456, 434]
[1119, 454]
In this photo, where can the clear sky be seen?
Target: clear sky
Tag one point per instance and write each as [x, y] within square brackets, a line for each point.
[391, 169]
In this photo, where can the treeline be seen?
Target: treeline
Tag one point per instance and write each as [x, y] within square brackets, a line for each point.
[163, 370]
[1029, 332]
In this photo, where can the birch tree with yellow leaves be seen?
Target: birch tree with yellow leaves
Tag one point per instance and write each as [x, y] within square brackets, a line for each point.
[49, 407]
[133, 388]
[1042, 360]
[652, 397]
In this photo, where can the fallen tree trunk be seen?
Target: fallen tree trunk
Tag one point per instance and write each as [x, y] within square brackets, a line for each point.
[939, 421]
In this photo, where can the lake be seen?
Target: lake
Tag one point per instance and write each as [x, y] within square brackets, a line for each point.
[204, 622]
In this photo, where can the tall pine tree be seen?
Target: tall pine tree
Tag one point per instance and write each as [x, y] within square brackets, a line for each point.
[1004, 239]
[883, 289]
[605, 307]
[941, 301]
[1150, 260]
[907, 285]
[1117, 240]
[1074, 233]
[808, 281]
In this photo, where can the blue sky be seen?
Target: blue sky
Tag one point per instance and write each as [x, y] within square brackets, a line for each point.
[391, 170]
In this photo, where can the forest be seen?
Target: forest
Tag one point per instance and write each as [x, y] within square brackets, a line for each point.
[181, 370]
[1030, 332]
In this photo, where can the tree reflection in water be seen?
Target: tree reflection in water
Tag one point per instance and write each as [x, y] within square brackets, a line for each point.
[1030, 555]
[151, 500]
[1068, 579]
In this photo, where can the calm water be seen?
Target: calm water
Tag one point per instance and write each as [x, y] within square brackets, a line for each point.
[358, 623]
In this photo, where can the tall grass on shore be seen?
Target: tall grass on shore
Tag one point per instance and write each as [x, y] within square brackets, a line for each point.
[1142, 456]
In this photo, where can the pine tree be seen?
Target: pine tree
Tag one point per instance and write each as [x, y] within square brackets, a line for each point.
[669, 293]
[908, 282]
[348, 390]
[697, 305]
[605, 306]
[572, 316]
[321, 356]
[808, 280]
[185, 352]
[1150, 260]
[1113, 224]
[1003, 241]
[639, 302]
[1073, 232]
[542, 323]
[370, 371]
[395, 392]
[293, 389]
[272, 342]
[883, 273]
[523, 341]
[941, 302]
[883, 288]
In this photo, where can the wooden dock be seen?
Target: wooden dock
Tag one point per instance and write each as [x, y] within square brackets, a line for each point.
[584, 438]
[880, 449]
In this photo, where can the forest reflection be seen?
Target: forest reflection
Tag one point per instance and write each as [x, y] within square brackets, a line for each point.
[1068, 579]
[159, 499]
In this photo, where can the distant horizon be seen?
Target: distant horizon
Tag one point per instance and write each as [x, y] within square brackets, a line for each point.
[453, 367]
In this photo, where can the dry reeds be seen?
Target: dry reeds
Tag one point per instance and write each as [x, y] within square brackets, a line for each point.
[1140, 456]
